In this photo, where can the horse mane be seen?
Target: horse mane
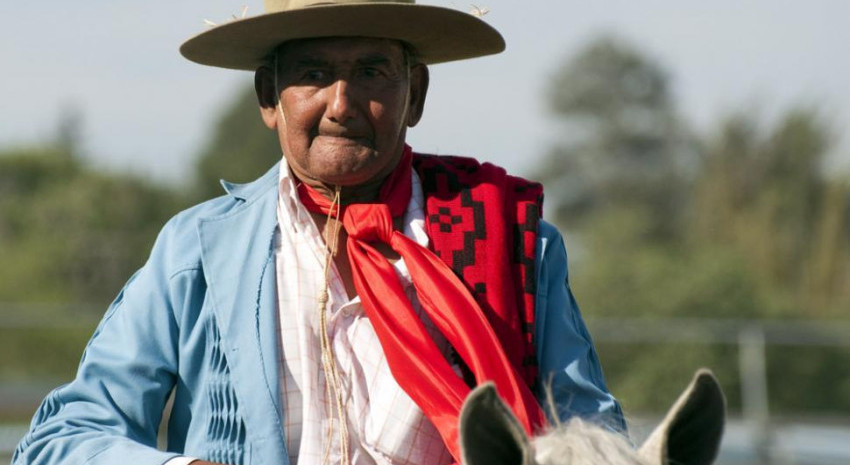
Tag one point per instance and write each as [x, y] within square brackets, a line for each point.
[579, 442]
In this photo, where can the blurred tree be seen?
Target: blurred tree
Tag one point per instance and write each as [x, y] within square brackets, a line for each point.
[70, 237]
[69, 131]
[70, 234]
[624, 146]
[240, 149]
[763, 192]
[741, 224]
[827, 278]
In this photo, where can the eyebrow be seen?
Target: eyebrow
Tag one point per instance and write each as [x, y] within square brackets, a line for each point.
[307, 62]
[374, 59]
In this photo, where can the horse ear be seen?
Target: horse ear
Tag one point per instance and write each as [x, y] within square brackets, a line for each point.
[690, 434]
[489, 432]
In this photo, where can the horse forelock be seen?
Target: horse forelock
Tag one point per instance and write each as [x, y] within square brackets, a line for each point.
[578, 442]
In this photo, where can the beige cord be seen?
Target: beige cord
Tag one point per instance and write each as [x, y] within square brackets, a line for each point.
[280, 110]
[277, 93]
[333, 385]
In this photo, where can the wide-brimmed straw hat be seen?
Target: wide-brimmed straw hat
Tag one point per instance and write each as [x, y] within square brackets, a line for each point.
[437, 34]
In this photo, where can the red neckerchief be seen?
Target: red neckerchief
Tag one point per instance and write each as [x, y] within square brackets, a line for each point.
[414, 359]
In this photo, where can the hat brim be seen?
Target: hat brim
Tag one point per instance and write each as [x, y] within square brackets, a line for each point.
[437, 34]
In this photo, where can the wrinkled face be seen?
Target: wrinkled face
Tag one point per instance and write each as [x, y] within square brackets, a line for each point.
[345, 104]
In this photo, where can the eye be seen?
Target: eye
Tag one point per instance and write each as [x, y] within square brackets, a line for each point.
[315, 75]
[369, 72]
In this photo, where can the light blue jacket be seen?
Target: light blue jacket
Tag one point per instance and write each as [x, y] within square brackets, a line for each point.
[199, 319]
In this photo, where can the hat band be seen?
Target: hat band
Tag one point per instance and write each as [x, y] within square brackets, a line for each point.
[274, 6]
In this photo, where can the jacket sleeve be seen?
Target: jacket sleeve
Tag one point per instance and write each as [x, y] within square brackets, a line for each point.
[110, 412]
[569, 366]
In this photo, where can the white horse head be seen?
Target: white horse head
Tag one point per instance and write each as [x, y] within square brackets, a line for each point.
[689, 434]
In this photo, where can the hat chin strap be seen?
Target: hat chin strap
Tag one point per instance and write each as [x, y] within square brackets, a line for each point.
[277, 92]
[280, 111]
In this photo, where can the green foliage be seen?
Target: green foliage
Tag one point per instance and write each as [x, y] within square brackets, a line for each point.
[42, 354]
[70, 234]
[762, 192]
[664, 282]
[612, 84]
[240, 149]
[646, 378]
[809, 380]
[623, 144]
[740, 224]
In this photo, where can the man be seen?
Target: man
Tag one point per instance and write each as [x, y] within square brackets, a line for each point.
[338, 309]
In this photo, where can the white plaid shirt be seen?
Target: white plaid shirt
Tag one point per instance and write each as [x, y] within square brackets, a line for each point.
[385, 426]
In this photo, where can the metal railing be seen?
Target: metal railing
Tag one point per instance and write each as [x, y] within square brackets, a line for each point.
[751, 337]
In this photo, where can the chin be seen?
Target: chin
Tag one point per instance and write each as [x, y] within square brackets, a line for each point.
[349, 166]
[351, 178]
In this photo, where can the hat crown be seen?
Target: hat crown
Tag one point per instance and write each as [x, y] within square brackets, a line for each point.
[438, 34]
[274, 6]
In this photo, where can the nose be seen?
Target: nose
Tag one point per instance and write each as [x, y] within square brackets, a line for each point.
[340, 104]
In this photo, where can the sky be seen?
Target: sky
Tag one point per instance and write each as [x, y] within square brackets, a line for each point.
[144, 108]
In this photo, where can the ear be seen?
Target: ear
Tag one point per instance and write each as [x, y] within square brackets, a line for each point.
[267, 96]
[691, 432]
[419, 80]
[489, 432]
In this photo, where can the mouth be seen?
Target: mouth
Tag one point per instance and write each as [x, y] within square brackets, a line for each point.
[344, 140]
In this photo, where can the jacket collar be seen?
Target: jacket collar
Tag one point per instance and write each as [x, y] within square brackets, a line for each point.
[246, 191]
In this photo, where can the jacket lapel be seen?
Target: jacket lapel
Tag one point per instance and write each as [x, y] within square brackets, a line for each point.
[238, 261]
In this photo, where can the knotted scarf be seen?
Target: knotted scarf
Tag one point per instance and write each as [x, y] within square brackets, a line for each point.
[414, 359]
